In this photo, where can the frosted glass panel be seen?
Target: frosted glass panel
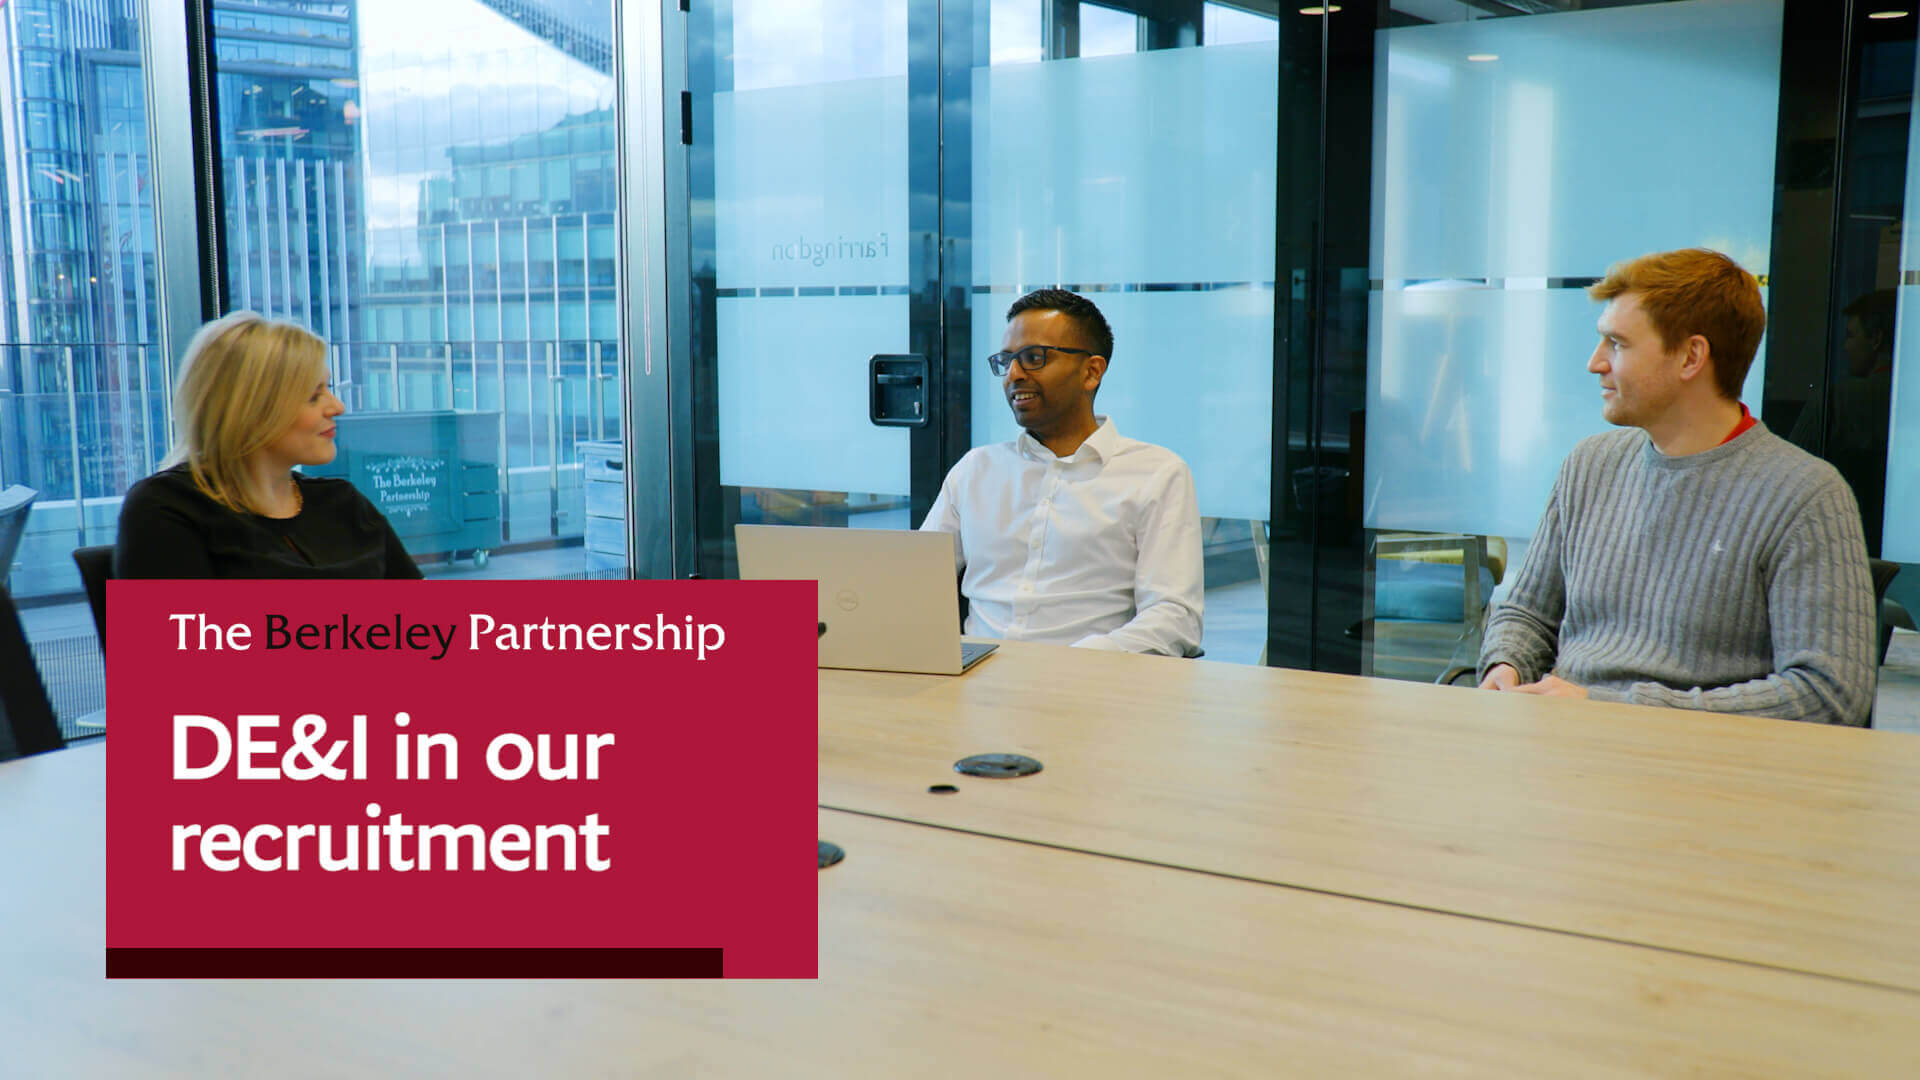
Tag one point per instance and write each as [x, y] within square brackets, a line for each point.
[1147, 183]
[1461, 394]
[1588, 138]
[1901, 540]
[1155, 167]
[793, 394]
[811, 184]
[1166, 385]
[810, 224]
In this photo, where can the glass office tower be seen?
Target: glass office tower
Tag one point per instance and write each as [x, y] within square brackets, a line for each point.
[288, 90]
[77, 290]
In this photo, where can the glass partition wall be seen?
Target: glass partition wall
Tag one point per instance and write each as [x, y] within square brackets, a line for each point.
[885, 177]
[1515, 159]
[1143, 177]
[800, 262]
[1343, 247]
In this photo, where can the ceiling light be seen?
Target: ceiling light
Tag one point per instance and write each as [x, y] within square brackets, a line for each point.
[1320, 10]
[1483, 57]
[1888, 14]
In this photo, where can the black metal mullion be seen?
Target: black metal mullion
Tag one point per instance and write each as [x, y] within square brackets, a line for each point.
[1340, 362]
[927, 317]
[1290, 595]
[210, 188]
[692, 261]
[1814, 53]
[963, 37]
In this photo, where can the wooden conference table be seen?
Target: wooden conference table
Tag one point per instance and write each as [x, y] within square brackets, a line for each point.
[1220, 872]
[1790, 845]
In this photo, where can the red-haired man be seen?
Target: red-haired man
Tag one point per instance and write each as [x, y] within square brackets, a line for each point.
[1692, 559]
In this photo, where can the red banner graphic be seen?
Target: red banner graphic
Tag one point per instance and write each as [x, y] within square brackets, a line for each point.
[450, 779]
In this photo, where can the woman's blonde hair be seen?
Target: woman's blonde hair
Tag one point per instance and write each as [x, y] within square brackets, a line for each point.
[245, 380]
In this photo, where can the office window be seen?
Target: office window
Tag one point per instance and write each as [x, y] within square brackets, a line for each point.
[1014, 33]
[83, 401]
[1225, 24]
[396, 176]
[82, 393]
[1105, 31]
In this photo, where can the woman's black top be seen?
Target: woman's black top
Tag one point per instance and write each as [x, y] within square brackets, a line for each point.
[170, 529]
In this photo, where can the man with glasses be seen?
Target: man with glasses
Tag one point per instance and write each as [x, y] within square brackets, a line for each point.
[1072, 534]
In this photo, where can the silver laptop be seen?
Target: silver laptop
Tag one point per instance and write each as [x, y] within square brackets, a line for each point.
[888, 599]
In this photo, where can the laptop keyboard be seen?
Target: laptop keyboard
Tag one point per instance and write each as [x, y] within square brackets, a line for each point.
[969, 652]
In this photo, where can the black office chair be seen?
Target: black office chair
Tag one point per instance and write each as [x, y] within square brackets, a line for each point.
[96, 569]
[27, 724]
[1883, 574]
[15, 503]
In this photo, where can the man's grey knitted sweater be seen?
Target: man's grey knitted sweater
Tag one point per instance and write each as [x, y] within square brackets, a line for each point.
[1733, 580]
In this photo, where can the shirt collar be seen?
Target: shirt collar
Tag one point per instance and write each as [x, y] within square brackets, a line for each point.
[1100, 446]
[1740, 428]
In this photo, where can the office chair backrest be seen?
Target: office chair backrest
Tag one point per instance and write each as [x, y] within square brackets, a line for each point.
[96, 569]
[1883, 575]
[15, 502]
[27, 724]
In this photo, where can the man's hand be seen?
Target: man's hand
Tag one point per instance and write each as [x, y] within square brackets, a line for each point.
[1500, 677]
[1553, 686]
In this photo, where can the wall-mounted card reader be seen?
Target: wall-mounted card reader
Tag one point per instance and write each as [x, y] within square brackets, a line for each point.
[897, 391]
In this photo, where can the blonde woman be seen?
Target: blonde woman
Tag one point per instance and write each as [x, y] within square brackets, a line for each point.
[252, 404]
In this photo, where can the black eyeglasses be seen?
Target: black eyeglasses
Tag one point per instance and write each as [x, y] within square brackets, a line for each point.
[1032, 358]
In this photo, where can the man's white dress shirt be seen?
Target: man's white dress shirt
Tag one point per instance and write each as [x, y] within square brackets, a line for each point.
[1100, 549]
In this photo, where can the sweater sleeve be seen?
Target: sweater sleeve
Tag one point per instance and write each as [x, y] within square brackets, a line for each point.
[1820, 614]
[158, 538]
[1524, 629]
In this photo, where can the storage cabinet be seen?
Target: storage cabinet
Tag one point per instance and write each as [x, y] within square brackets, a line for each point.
[603, 473]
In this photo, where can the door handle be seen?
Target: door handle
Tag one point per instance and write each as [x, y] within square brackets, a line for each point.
[897, 390]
